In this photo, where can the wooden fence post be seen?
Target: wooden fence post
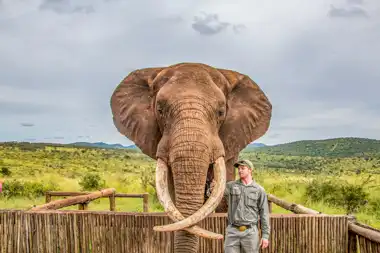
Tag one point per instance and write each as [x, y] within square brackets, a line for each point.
[352, 242]
[112, 202]
[270, 206]
[146, 202]
[47, 197]
[82, 206]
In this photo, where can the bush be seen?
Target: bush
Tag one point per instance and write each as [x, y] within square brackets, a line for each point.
[337, 193]
[5, 171]
[17, 188]
[374, 207]
[91, 181]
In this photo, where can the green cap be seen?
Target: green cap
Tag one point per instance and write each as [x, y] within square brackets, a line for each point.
[244, 162]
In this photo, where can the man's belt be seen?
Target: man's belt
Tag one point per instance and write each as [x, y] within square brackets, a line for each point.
[243, 227]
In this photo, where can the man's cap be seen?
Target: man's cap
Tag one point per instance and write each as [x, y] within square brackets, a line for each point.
[244, 162]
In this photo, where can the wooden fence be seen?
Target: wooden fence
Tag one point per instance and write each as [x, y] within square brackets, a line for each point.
[361, 238]
[114, 232]
[46, 229]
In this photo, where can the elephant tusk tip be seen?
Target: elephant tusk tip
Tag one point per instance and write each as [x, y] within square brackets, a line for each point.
[159, 229]
[164, 228]
[205, 234]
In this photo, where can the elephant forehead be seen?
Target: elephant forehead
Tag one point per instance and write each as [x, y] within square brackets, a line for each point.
[191, 73]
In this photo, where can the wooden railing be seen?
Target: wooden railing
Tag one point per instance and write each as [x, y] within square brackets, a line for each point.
[361, 238]
[73, 231]
[43, 228]
[83, 205]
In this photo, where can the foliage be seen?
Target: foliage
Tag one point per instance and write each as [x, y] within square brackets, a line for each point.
[91, 181]
[5, 171]
[336, 192]
[307, 180]
[19, 188]
[337, 147]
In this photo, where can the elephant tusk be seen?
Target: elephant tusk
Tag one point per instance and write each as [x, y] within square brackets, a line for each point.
[206, 209]
[166, 201]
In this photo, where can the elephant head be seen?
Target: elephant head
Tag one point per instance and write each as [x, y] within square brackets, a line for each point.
[193, 119]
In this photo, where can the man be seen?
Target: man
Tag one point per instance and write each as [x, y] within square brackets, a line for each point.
[1, 185]
[247, 202]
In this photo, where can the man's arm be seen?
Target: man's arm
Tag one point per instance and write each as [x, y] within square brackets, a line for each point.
[223, 205]
[264, 215]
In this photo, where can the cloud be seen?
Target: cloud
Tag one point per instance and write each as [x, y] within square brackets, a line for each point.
[359, 2]
[209, 24]
[30, 139]
[65, 6]
[349, 12]
[27, 124]
[12, 108]
[60, 64]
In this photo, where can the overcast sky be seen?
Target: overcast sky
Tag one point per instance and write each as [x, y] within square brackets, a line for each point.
[60, 60]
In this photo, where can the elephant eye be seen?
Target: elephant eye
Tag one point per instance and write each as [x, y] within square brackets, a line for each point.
[160, 107]
[220, 113]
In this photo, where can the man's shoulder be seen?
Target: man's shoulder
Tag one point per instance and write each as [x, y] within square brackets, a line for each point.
[259, 187]
[230, 183]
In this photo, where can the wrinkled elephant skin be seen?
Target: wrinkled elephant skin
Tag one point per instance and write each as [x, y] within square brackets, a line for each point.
[193, 119]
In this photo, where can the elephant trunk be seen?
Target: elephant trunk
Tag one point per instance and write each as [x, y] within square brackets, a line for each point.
[190, 155]
[189, 160]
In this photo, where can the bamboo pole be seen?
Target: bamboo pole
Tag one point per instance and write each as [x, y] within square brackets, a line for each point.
[74, 200]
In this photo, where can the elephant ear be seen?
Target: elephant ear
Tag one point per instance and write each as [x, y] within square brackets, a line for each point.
[248, 113]
[132, 109]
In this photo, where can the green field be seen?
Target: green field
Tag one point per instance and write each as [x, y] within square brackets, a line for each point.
[334, 182]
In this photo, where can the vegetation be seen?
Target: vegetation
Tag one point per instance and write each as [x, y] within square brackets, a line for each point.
[335, 184]
[338, 147]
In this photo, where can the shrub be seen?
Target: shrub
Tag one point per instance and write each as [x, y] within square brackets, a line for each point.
[337, 193]
[353, 197]
[5, 171]
[91, 181]
[147, 177]
[18, 188]
[374, 207]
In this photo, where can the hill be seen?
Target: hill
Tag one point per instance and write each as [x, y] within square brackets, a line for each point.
[336, 147]
[256, 145]
[97, 144]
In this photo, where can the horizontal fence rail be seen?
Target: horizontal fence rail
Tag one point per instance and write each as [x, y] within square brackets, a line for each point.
[112, 198]
[56, 231]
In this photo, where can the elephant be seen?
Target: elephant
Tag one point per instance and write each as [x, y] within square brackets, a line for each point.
[193, 119]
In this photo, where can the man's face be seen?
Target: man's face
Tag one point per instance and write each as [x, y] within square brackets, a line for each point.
[244, 171]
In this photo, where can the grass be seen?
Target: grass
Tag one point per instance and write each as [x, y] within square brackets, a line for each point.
[31, 169]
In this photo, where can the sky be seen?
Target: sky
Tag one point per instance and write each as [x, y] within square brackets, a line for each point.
[60, 60]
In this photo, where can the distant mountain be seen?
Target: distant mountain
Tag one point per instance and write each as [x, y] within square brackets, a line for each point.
[255, 145]
[98, 145]
[336, 147]
[132, 146]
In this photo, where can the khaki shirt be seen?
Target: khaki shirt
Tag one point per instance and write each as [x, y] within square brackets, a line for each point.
[246, 204]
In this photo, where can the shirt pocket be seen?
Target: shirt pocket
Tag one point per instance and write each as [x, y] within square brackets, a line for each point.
[235, 194]
[252, 199]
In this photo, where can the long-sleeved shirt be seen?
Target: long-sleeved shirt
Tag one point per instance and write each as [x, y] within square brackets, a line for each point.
[246, 204]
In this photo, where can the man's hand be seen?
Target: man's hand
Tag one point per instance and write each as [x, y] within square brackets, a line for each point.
[264, 243]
